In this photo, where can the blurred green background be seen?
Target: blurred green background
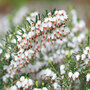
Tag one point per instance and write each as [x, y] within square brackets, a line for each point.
[82, 6]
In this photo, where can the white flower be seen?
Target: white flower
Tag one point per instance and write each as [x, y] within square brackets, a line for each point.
[62, 67]
[26, 53]
[23, 56]
[87, 48]
[18, 84]
[56, 12]
[13, 88]
[78, 57]
[26, 87]
[44, 88]
[30, 82]
[55, 85]
[12, 75]
[24, 36]
[36, 89]
[53, 77]
[31, 51]
[85, 52]
[0, 51]
[16, 58]
[18, 32]
[48, 72]
[19, 39]
[62, 72]
[76, 74]
[4, 78]
[70, 74]
[22, 79]
[83, 56]
[34, 14]
[13, 40]
[87, 77]
[33, 28]
[24, 83]
[86, 62]
[7, 55]
[38, 23]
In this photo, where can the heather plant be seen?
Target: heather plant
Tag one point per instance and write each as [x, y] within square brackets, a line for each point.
[48, 52]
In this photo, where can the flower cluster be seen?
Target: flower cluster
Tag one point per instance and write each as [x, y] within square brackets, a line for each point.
[44, 88]
[48, 30]
[12, 88]
[85, 56]
[74, 76]
[38, 50]
[83, 59]
[46, 75]
[24, 83]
